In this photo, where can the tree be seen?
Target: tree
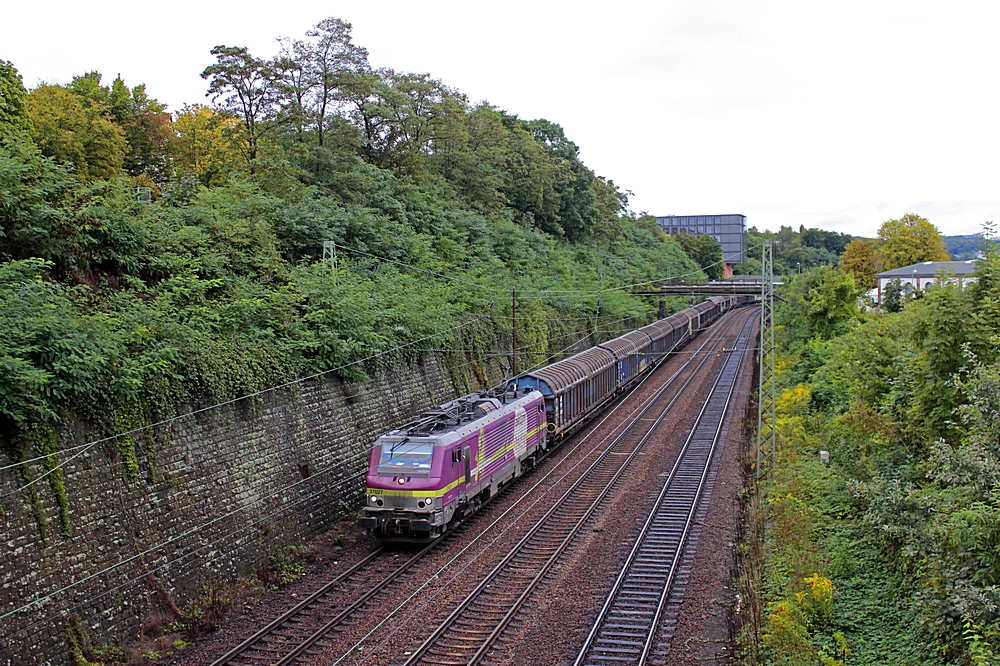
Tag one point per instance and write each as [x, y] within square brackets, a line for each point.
[13, 96]
[892, 298]
[705, 251]
[399, 115]
[578, 212]
[831, 241]
[821, 304]
[472, 150]
[859, 259]
[77, 133]
[248, 87]
[146, 124]
[909, 240]
[328, 63]
[203, 144]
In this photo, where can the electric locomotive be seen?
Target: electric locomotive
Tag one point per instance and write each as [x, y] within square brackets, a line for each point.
[425, 477]
[429, 475]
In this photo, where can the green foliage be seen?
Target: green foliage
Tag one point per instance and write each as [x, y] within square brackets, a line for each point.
[147, 128]
[892, 299]
[705, 251]
[33, 194]
[215, 289]
[905, 520]
[794, 251]
[13, 109]
[819, 304]
[963, 248]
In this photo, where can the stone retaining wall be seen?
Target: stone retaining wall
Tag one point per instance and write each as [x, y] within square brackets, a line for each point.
[213, 492]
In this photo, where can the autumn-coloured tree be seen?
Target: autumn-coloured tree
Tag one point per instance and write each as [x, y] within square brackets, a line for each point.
[76, 132]
[908, 240]
[203, 145]
[859, 259]
[146, 124]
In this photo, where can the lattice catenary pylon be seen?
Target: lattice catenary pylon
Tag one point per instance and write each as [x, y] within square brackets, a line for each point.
[766, 436]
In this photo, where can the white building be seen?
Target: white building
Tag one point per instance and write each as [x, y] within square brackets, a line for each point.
[919, 276]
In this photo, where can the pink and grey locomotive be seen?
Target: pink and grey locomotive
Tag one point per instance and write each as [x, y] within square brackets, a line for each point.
[427, 476]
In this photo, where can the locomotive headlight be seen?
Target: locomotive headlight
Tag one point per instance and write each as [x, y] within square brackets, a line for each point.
[429, 501]
[372, 499]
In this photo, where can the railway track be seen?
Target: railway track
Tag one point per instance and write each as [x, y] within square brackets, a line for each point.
[296, 631]
[304, 629]
[467, 635]
[626, 629]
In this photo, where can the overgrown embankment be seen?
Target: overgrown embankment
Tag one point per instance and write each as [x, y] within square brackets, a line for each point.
[888, 554]
[351, 236]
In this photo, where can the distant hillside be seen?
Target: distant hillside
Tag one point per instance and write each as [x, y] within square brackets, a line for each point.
[963, 247]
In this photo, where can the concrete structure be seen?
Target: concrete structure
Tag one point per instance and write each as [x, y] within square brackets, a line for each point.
[729, 230]
[919, 276]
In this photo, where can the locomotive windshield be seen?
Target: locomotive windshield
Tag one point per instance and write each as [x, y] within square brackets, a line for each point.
[406, 458]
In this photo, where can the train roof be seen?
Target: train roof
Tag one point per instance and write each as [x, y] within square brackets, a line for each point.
[462, 415]
[575, 368]
[628, 344]
[662, 327]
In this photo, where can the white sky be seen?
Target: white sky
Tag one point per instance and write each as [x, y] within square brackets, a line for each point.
[839, 115]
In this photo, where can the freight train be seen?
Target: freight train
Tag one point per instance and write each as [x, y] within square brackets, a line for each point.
[426, 477]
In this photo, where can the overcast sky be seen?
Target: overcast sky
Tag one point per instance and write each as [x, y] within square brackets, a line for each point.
[839, 115]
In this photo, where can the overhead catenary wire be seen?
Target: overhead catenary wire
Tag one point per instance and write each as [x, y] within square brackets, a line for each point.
[214, 520]
[190, 532]
[141, 554]
[524, 349]
[180, 416]
[270, 389]
[529, 290]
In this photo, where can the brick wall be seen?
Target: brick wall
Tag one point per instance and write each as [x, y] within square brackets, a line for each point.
[212, 492]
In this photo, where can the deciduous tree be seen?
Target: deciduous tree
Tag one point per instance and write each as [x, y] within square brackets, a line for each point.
[705, 251]
[203, 145]
[13, 106]
[859, 259]
[578, 213]
[821, 304]
[908, 240]
[146, 124]
[76, 132]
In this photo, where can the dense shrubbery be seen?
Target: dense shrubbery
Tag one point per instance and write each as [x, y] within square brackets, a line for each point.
[904, 523]
[122, 310]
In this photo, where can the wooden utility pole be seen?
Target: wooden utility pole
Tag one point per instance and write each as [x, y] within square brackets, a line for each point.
[513, 328]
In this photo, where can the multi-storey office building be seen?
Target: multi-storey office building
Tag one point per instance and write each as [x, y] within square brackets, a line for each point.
[729, 230]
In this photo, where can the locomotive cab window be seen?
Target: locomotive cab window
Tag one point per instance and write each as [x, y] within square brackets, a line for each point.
[406, 458]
